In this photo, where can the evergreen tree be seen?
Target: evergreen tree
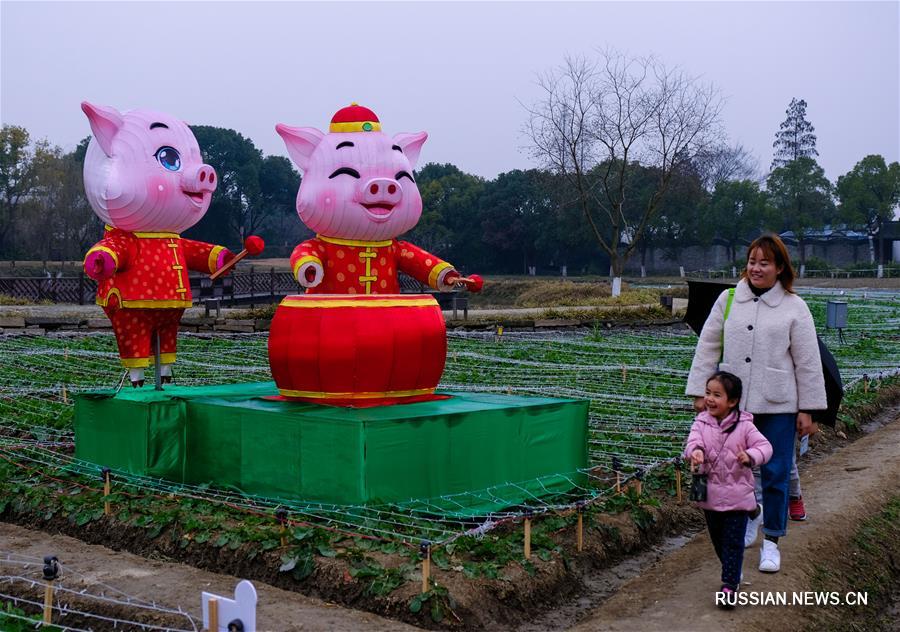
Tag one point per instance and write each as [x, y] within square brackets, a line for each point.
[795, 139]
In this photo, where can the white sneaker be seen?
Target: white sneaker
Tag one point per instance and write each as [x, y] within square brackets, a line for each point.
[752, 528]
[769, 557]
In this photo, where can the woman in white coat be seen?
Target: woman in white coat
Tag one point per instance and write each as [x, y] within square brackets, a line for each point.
[770, 343]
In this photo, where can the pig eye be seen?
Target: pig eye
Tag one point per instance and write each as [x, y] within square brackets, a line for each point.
[345, 171]
[403, 174]
[169, 158]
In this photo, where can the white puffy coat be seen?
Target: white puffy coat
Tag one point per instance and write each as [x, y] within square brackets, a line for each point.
[770, 343]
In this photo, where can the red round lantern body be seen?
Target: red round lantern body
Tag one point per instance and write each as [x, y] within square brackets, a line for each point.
[362, 350]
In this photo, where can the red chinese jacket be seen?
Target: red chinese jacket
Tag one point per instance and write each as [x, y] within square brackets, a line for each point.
[367, 267]
[152, 268]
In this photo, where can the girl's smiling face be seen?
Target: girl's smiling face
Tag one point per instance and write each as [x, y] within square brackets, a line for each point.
[717, 403]
[761, 269]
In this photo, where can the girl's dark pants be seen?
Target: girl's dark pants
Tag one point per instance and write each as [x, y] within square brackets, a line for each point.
[726, 530]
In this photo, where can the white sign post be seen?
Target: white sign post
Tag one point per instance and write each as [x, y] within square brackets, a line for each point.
[227, 611]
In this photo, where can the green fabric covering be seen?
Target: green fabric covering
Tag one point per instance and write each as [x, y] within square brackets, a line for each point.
[230, 436]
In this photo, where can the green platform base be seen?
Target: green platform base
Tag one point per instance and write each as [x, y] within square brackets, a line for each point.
[230, 436]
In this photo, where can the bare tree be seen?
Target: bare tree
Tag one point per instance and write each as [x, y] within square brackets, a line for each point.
[599, 118]
[725, 163]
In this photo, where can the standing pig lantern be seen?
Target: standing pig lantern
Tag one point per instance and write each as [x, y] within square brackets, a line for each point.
[144, 177]
[352, 338]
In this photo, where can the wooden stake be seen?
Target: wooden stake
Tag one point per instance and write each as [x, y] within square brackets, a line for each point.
[678, 493]
[48, 602]
[106, 486]
[426, 568]
[281, 516]
[624, 374]
[579, 532]
[527, 538]
[65, 395]
[618, 483]
[865, 383]
[213, 605]
[638, 487]
[66, 353]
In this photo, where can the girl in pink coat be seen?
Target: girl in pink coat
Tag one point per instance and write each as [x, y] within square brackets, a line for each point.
[725, 444]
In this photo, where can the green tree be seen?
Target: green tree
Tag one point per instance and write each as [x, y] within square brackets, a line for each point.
[235, 211]
[868, 195]
[57, 221]
[679, 221]
[800, 199]
[18, 179]
[255, 195]
[735, 212]
[514, 209]
[278, 184]
[450, 225]
[795, 138]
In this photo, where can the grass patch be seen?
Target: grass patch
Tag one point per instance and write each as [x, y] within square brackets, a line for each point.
[7, 300]
[865, 565]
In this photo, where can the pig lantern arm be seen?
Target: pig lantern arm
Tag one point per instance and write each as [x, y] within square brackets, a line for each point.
[204, 257]
[308, 263]
[425, 267]
[111, 254]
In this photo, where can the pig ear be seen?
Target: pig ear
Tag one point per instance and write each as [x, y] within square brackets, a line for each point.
[105, 124]
[301, 142]
[411, 144]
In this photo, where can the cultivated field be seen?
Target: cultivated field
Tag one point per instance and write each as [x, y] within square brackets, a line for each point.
[369, 556]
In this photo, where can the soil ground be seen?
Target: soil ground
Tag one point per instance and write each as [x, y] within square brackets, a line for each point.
[668, 587]
[174, 586]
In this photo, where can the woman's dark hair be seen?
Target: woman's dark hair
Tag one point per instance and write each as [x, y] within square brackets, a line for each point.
[733, 386]
[774, 249]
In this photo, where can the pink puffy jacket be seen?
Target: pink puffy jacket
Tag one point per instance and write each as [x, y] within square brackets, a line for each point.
[730, 484]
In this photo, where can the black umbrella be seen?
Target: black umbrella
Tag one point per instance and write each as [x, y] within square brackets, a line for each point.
[702, 295]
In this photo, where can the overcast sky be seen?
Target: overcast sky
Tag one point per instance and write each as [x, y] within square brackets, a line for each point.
[455, 70]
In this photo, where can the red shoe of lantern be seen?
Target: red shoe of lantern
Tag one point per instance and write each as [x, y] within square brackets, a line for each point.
[362, 350]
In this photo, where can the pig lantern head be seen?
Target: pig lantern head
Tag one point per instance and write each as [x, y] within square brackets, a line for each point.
[357, 181]
[143, 171]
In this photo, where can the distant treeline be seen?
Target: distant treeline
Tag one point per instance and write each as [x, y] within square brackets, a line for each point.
[518, 220]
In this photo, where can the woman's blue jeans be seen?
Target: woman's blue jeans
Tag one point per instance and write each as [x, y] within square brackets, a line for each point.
[781, 431]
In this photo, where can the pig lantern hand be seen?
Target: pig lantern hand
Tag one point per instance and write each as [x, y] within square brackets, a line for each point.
[473, 282]
[310, 274]
[99, 265]
[253, 246]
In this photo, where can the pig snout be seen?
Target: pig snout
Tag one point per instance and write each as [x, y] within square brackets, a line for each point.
[381, 193]
[199, 180]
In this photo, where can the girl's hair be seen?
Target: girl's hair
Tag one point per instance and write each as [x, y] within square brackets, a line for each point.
[734, 388]
[773, 248]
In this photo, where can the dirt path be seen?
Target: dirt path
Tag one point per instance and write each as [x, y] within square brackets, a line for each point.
[839, 492]
[174, 586]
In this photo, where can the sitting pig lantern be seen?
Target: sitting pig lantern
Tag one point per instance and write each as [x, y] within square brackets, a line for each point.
[364, 343]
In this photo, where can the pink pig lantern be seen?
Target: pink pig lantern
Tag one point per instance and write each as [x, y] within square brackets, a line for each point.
[340, 343]
[145, 178]
[358, 194]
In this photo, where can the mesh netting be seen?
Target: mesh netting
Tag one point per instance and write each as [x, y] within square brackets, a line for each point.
[634, 380]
